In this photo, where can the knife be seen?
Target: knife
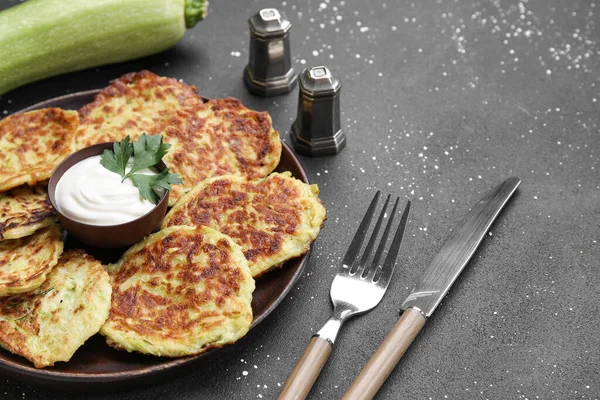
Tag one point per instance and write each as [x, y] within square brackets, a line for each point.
[429, 292]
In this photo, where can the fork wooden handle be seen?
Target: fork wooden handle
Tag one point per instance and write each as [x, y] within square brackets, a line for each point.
[387, 356]
[307, 370]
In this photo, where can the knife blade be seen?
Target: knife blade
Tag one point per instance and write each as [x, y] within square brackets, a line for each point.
[427, 294]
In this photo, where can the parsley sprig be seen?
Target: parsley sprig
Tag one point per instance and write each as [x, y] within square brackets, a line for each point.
[146, 151]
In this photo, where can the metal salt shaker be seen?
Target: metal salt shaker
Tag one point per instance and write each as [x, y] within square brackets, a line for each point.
[317, 130]
[269, 71]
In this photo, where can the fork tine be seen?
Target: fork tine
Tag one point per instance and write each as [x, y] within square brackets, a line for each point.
[390, 260]
[369, 248]
[360, 234]
[375, 263]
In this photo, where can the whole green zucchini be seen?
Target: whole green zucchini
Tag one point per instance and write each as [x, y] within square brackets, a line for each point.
[43, 38]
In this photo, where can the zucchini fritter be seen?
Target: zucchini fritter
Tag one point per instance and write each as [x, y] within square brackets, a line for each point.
[50, 323]
[273, 219]
[179, 292]
[24, 210]
[220, 137]
[25, 262]
[131, 105]
[32, 144]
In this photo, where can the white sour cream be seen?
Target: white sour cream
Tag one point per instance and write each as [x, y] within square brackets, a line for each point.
[87, 192]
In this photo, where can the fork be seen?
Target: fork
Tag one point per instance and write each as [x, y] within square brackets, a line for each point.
[358, 286]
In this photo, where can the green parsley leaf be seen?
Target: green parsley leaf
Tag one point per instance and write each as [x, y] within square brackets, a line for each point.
[151, 187]
[116, 160]
[147, 151]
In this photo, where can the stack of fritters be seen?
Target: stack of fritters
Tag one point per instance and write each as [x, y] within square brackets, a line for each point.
[31, 146]
[50, 302]
[186, 288]
[208, 139]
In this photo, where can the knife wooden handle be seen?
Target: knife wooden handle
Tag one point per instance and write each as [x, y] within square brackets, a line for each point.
[307, 370]
[387, 356]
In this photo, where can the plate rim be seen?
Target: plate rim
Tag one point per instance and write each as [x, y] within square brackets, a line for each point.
[87, 382]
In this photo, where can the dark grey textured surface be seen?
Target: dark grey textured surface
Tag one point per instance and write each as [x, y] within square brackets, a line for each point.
[441, 100]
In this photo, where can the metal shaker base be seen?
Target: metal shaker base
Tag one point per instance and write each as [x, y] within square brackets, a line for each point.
[272, 86]
[317, 147]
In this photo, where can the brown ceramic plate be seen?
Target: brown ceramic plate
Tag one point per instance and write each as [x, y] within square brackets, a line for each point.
[95, 366]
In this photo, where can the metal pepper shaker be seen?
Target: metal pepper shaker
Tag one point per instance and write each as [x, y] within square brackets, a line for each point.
[269, 71]
[317, 130]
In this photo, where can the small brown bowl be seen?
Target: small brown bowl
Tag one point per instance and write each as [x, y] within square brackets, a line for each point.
[105, 236]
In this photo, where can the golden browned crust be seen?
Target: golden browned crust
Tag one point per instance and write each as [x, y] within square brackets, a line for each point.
[24, 210]
[132, 105]
[33, 143]
[272, 219]
[180, 291]
[217, 138]
[25, 262]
